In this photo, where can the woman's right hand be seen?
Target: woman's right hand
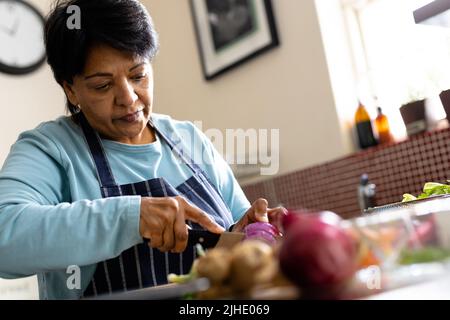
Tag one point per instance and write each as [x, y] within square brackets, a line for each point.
[163, 221]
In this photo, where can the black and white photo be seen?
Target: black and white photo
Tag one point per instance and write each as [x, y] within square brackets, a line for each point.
[230, 32]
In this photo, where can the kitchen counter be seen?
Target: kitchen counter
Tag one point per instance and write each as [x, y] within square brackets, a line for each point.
[437, 289]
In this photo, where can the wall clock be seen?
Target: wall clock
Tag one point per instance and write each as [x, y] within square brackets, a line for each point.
[22, 47]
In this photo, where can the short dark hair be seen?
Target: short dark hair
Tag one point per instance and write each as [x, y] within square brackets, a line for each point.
[121, 24]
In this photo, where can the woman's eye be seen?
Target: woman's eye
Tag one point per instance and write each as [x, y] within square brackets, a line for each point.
[102, 87]
[140, 77]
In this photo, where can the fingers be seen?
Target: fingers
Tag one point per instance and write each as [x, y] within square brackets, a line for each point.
[163, 221]
[157, 219]
[195, 214]
[168, 238]
[180, 229]
[260, 210]
[276, 217]
[260, 205]
[174, 234]
[256, 213]
[276, 213]
[156, 240]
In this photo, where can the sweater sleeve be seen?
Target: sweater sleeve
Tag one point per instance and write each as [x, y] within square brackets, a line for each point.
[41, 229]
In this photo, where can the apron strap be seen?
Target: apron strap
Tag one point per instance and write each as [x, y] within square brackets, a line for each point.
[199, 174]
[102, 166]
[104, 172]
[178, 151]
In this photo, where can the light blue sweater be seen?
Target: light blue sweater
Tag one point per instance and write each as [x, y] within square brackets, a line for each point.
[52, 214]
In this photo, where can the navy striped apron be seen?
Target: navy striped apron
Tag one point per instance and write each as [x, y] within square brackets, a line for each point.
[141, 266]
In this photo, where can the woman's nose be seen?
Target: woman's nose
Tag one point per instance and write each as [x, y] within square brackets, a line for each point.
[125, 94]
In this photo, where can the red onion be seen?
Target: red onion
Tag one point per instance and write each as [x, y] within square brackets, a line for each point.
[298, 214]
[316, 253]
[261, 231]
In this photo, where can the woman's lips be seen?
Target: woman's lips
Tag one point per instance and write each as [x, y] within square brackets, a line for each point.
[132, 117]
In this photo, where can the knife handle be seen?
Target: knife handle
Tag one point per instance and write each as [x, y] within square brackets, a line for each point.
[203, 237]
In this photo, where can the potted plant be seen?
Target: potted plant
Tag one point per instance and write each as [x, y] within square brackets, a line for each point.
[414, 116]
[445, 99]
[413, 110]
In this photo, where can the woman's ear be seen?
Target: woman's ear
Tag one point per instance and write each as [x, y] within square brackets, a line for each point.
[70, 93]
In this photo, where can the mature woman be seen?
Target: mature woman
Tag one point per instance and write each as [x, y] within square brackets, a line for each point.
[87, 189]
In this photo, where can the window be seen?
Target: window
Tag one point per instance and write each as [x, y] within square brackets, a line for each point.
[395, 59]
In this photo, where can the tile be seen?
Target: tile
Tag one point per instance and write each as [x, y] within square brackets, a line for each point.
[395, 169]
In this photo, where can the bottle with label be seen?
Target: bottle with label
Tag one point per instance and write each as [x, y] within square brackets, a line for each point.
[382, 126]
[364, 129]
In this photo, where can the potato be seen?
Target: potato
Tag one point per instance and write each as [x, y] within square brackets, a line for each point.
[252, 262]
[215, 265]
[216, 292]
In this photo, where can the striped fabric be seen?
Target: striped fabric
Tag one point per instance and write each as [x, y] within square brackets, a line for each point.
[142, 266]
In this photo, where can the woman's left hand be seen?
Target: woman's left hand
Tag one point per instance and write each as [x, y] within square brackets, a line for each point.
[259, 212]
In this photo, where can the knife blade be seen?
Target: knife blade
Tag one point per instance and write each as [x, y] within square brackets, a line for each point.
[209, 240]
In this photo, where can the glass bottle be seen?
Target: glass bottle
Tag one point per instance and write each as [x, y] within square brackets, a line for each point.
[382, 126]
[364, 129]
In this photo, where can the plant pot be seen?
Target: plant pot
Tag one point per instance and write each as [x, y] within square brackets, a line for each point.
[414, 118]
[445, 99]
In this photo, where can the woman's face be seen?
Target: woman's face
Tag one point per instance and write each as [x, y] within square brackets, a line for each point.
[115, 93]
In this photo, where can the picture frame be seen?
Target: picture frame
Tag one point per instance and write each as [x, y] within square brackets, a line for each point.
[231, 32]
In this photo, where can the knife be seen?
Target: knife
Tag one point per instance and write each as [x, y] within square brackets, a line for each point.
[171, 291]
[210, 240]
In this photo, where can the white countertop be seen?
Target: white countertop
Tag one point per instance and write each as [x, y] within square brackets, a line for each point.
[437, 289]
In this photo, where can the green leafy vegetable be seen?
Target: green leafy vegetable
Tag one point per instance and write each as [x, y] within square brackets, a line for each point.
[408, 197]
[424, 255]
[180, 278]
[184, 278]
[429, 189]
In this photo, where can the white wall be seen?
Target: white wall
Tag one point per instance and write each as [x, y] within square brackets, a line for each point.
[27, 100]
[287, 88]
[340, 65]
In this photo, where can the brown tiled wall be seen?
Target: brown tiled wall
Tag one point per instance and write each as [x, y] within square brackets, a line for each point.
[395, 169]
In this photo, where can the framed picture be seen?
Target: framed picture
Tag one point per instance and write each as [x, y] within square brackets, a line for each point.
[230, 32]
